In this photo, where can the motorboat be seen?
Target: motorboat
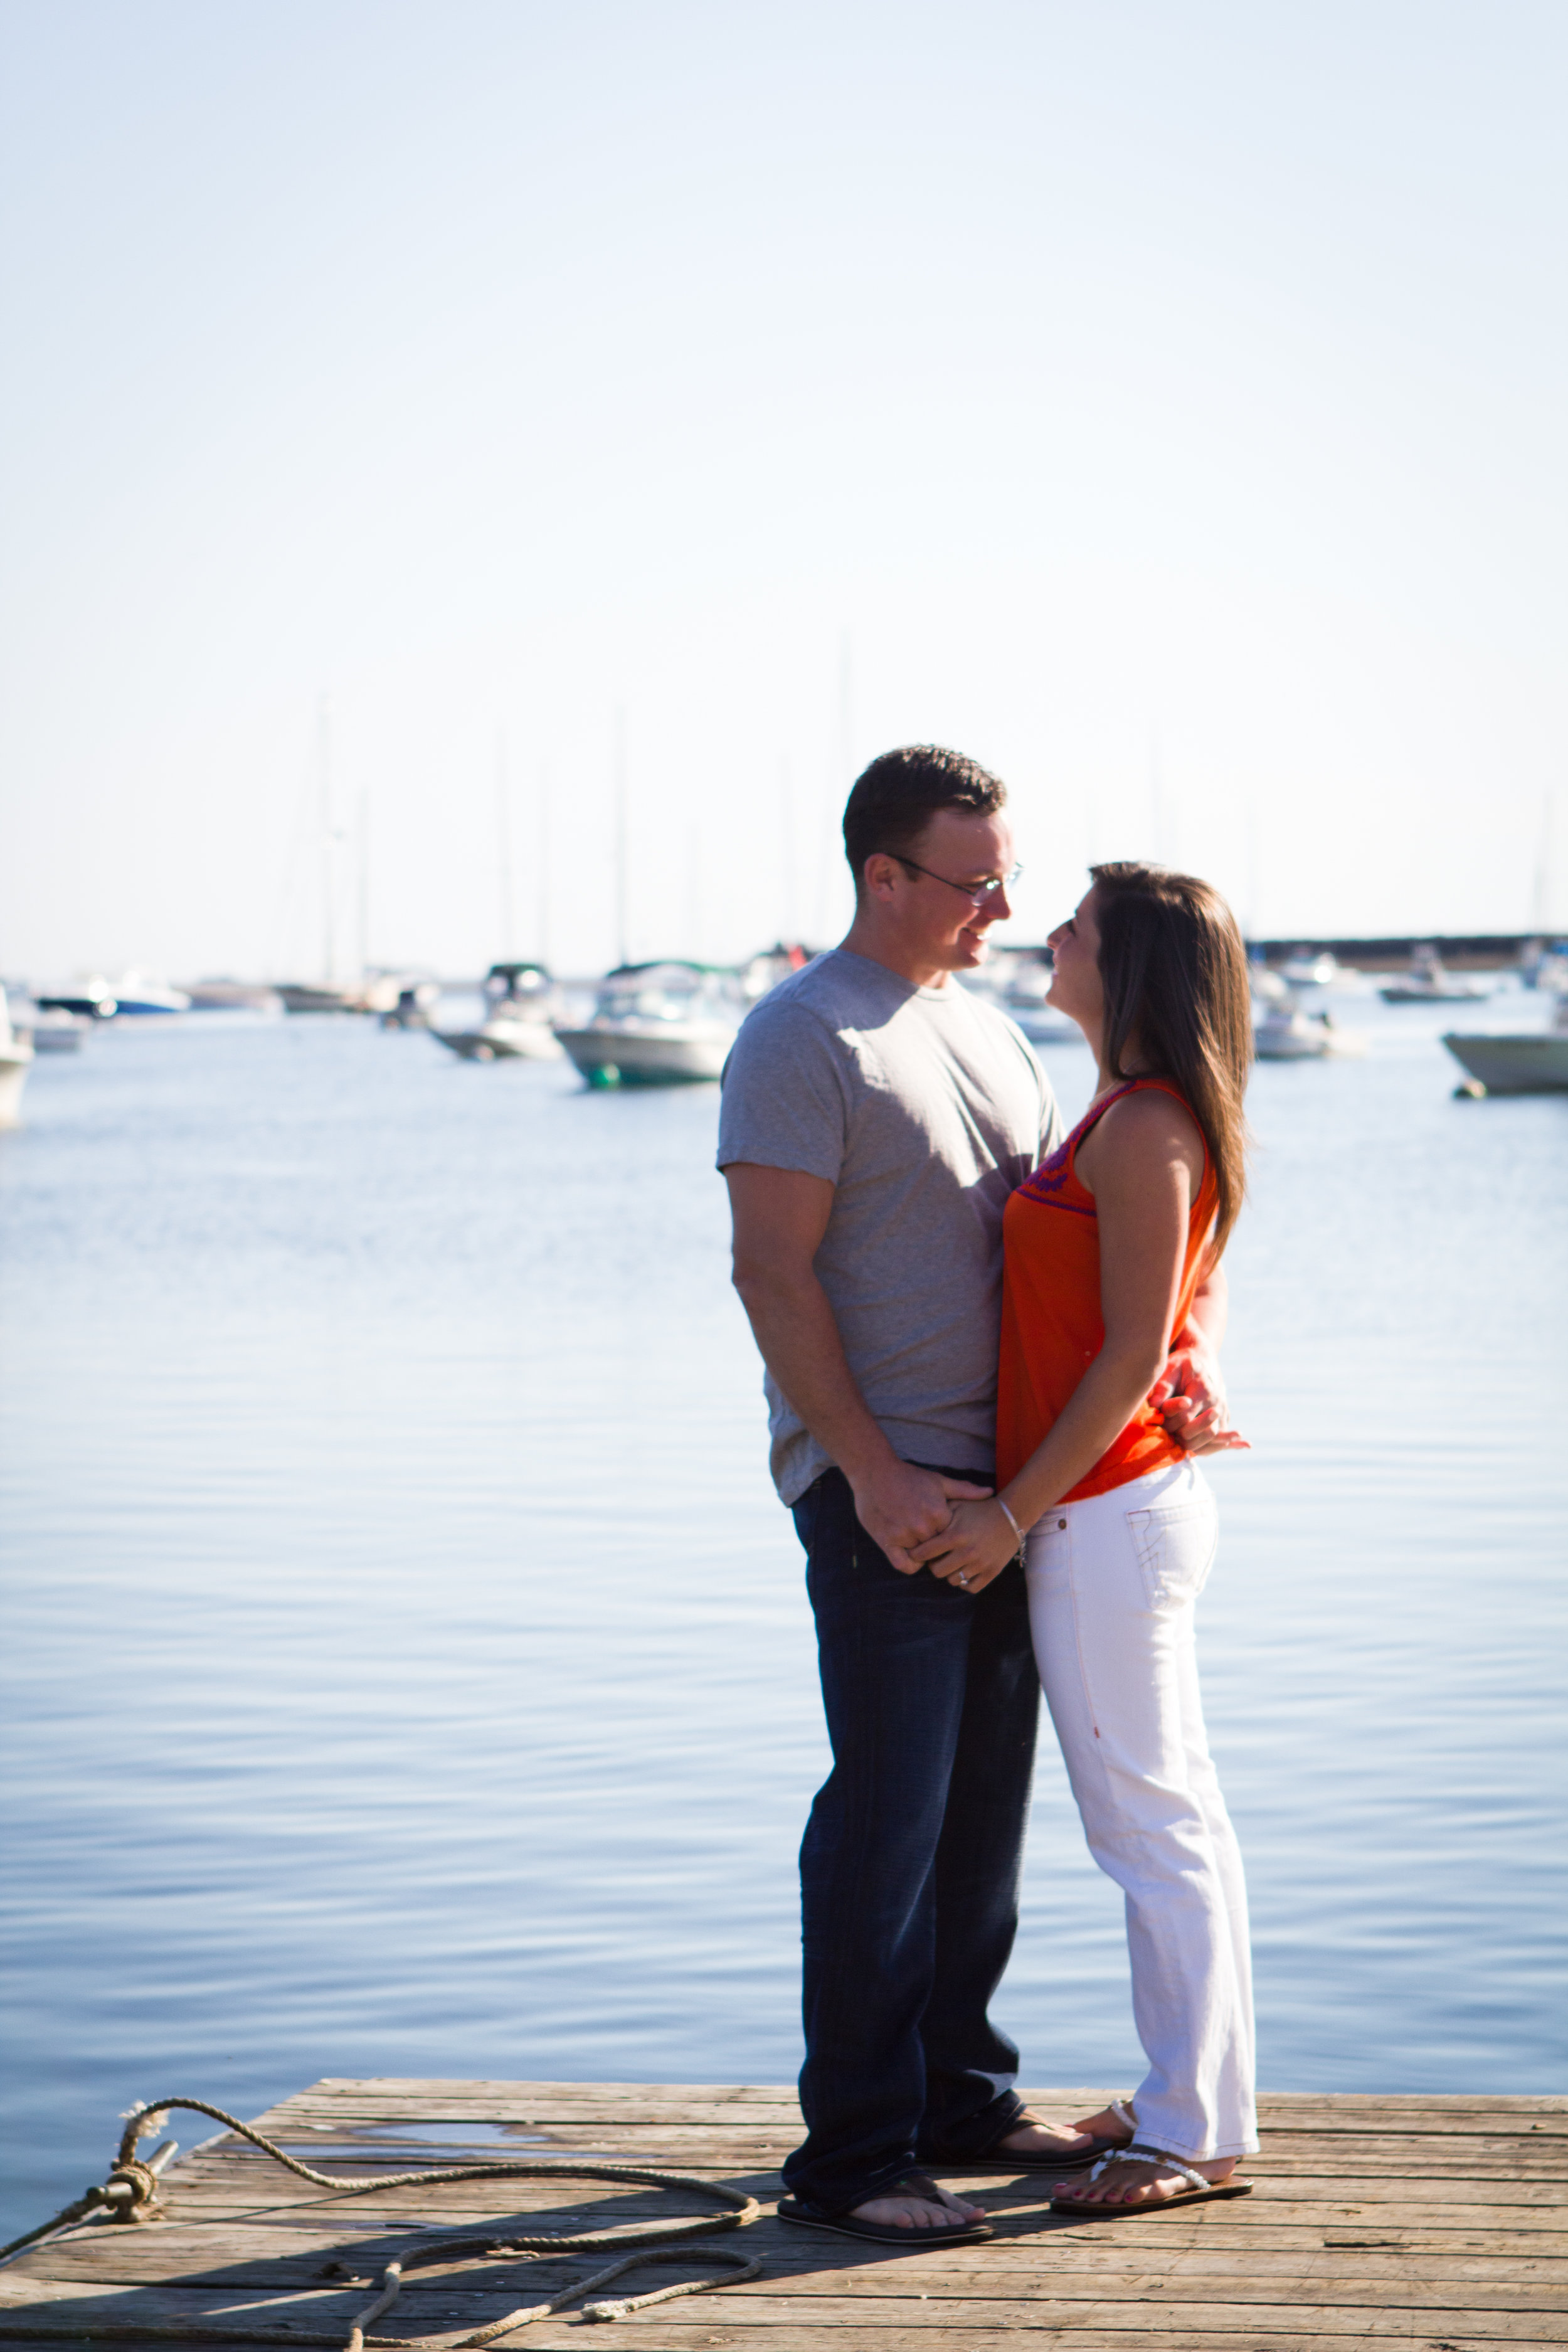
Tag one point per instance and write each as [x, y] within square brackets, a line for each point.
[137, 993]
[657, 1024]
[234, 996]
[90, 999]
[305, 996]
[412, 1009]
[1533, 1064]
[50, 1028]
[1282, 1032]
[53, 1030]
[1306, 968]
[1430, 983]
[16, 1061]
[517, 1006]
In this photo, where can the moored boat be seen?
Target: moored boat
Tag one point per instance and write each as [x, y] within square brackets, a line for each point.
[234, 996]
[51, 1029]
[1306, 968]
[304, 996]
[137, 994]
[1535, 1063]
[16, 1061]
[517, 1006]
[1430, 982]
[1282, 1032]
[656, 1024]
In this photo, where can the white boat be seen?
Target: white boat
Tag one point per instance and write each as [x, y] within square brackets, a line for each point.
[1430, 983]
[54, 1031]
[306, 996]
[16, 1061]
[517, 1005]
[1282, 1032]
[234, 996]
[1306, 969]
[137, 993]
[657, 1024]
[90, 999]
[1534, 1064]
[50, 1028]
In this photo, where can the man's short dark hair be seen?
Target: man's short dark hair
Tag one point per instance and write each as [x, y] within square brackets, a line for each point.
[896, 797]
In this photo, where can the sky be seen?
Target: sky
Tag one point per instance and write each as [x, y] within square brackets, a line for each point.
[427, 425]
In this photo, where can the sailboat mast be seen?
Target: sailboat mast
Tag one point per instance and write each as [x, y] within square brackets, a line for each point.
[503, 848]
[622, 877]
[324, 789]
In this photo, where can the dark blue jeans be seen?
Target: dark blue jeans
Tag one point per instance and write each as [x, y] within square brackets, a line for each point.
[910, 1861]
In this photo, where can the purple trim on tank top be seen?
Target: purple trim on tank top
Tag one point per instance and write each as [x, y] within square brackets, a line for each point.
[1052, 1174]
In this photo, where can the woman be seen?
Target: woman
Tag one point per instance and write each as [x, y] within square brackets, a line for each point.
[1112, 1247]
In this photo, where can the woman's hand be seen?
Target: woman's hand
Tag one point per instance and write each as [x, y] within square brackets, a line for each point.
[974, 1547]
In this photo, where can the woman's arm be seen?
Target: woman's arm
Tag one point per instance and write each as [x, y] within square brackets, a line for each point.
[1142, 1174]
[1189, 1395]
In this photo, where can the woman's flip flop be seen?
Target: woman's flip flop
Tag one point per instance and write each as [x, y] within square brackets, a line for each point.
[1197, 2191]
[808, 2216]
[999, 2160]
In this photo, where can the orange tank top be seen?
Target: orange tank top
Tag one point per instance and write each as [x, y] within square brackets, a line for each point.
[1052, 1328]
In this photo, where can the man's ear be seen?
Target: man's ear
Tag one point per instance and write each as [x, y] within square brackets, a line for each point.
[880, 874]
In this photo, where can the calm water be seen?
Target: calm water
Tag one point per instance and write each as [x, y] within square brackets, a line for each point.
[407, 1665]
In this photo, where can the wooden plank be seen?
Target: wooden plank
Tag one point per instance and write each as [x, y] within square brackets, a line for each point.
[1405, 2282]
[1420, 2219]
[193, 2249]
[833, 2322]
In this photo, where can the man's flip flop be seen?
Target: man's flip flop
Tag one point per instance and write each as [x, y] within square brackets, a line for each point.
[1197, 2191]
[998, 2159]
[808, 2216]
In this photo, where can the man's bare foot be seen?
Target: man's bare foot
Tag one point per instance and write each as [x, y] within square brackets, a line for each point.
[1143, 2180]
[1064, 2141]
[904, 2209]
[1108, 2124]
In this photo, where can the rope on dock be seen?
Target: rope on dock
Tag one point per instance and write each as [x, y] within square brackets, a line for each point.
[612, 2307]
[131, 2195]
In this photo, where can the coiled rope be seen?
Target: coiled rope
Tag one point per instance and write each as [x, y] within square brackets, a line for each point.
[131, 2195]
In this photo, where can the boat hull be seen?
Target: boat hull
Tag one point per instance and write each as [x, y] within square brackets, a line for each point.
[300, 998]
[1513, 1065]
[1304, 1040]
[610, 1057]
[16, 1061]
[503, 1041]
[1412, 992]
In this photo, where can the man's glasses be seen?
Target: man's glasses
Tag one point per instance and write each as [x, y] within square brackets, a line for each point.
[979, 894]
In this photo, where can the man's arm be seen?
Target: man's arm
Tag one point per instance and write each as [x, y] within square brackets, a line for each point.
[780, 1217]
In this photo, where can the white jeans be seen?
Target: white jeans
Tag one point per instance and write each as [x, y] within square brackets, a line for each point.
[1113, 1583]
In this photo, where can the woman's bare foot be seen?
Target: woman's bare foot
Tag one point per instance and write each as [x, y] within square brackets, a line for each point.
[1143, 2180]
[910, 2209]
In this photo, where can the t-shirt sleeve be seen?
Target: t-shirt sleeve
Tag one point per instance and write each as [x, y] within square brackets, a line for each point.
[785, 1095]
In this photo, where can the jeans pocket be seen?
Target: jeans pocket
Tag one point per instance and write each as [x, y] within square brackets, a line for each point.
[1175, 1545]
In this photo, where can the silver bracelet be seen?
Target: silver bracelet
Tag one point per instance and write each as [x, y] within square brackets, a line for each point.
[1012, 1522]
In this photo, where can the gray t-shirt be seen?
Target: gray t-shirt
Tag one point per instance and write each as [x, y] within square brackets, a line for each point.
[924, 1108]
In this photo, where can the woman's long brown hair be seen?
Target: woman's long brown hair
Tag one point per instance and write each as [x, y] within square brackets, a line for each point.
[1174, 971]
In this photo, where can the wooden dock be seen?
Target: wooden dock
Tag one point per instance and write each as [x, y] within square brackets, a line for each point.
[1440, 2223]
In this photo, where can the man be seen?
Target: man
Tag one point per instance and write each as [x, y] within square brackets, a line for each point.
[876, 1117]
